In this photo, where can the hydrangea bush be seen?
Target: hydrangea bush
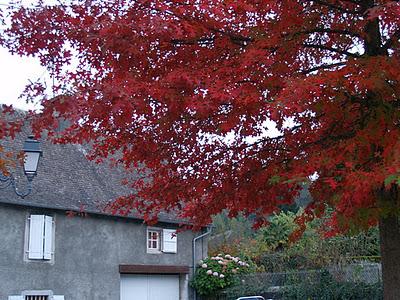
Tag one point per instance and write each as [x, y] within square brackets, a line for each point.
[218, 272]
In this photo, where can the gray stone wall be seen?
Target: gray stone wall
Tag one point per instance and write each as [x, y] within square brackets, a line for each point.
[88, 251]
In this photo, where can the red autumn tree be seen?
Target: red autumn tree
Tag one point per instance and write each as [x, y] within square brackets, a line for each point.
[185, 91]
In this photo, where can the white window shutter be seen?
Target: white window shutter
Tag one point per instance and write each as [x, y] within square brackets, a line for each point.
[58, 297]
[48, 237]
[15, 298]
[170, 241]
[36, 230]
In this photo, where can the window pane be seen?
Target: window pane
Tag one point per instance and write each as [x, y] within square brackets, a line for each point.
[149, 235]
[154, 244]
[149, 244]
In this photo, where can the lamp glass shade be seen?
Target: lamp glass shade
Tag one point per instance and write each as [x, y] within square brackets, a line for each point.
[31, 162]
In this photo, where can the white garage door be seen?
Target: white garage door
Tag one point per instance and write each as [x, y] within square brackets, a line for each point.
[149, 287]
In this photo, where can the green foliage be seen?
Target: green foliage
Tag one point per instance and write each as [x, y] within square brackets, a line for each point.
[241, 226]
[272, 251]
[392, 178]
[312, 251]
[250, 284]
[218, 272]
[327, 288]
[280, 227]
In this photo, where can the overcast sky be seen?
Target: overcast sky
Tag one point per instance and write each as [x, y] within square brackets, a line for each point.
[16, 71]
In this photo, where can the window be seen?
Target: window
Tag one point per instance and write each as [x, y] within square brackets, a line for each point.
[40, 238]
[36, 297]
[170, 242]
[153, 240]
[161, 240]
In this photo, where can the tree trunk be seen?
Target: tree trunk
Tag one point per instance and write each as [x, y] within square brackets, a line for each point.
[389, 232]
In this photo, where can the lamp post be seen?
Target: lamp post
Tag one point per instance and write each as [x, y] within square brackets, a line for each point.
[32, 154]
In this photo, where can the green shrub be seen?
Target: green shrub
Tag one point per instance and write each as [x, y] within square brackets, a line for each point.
[218, 272]
[242, 288]
[327, 288]
[271, 250]
[312, 251]
[276, 234]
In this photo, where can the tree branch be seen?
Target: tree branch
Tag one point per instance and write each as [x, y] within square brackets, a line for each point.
[334, 31]
[323, 47]
[324, 66]
[201, 41]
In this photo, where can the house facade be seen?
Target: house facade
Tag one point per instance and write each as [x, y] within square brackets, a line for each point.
[59, 243]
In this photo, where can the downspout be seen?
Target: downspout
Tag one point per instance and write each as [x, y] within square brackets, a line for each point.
[194, 253]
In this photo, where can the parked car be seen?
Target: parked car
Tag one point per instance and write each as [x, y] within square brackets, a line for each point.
[251, 298]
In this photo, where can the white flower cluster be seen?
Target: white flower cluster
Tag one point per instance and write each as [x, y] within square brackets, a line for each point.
[216, 258]
[223, 260]
[243, 264]
[216, 274]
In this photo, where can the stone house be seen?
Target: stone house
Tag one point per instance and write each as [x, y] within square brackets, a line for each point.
[58, 243]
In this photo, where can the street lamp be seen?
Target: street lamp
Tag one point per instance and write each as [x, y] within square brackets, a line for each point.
[32, 154]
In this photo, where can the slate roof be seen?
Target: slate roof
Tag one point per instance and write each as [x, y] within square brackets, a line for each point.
[67, 180]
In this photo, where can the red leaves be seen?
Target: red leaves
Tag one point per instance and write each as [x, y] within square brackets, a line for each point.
[188, 89]
[332, 183]
[389, 9]
[7, 109]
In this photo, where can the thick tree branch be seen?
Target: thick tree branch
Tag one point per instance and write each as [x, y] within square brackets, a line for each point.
[243, 40]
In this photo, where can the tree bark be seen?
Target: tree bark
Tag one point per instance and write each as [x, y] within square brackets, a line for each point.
[389, 226]
[389, 232]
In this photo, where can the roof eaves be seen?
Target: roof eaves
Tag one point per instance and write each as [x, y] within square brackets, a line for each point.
[88, 211]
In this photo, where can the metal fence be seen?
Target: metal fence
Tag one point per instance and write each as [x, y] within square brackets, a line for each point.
[360, 272]
[270, 285]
